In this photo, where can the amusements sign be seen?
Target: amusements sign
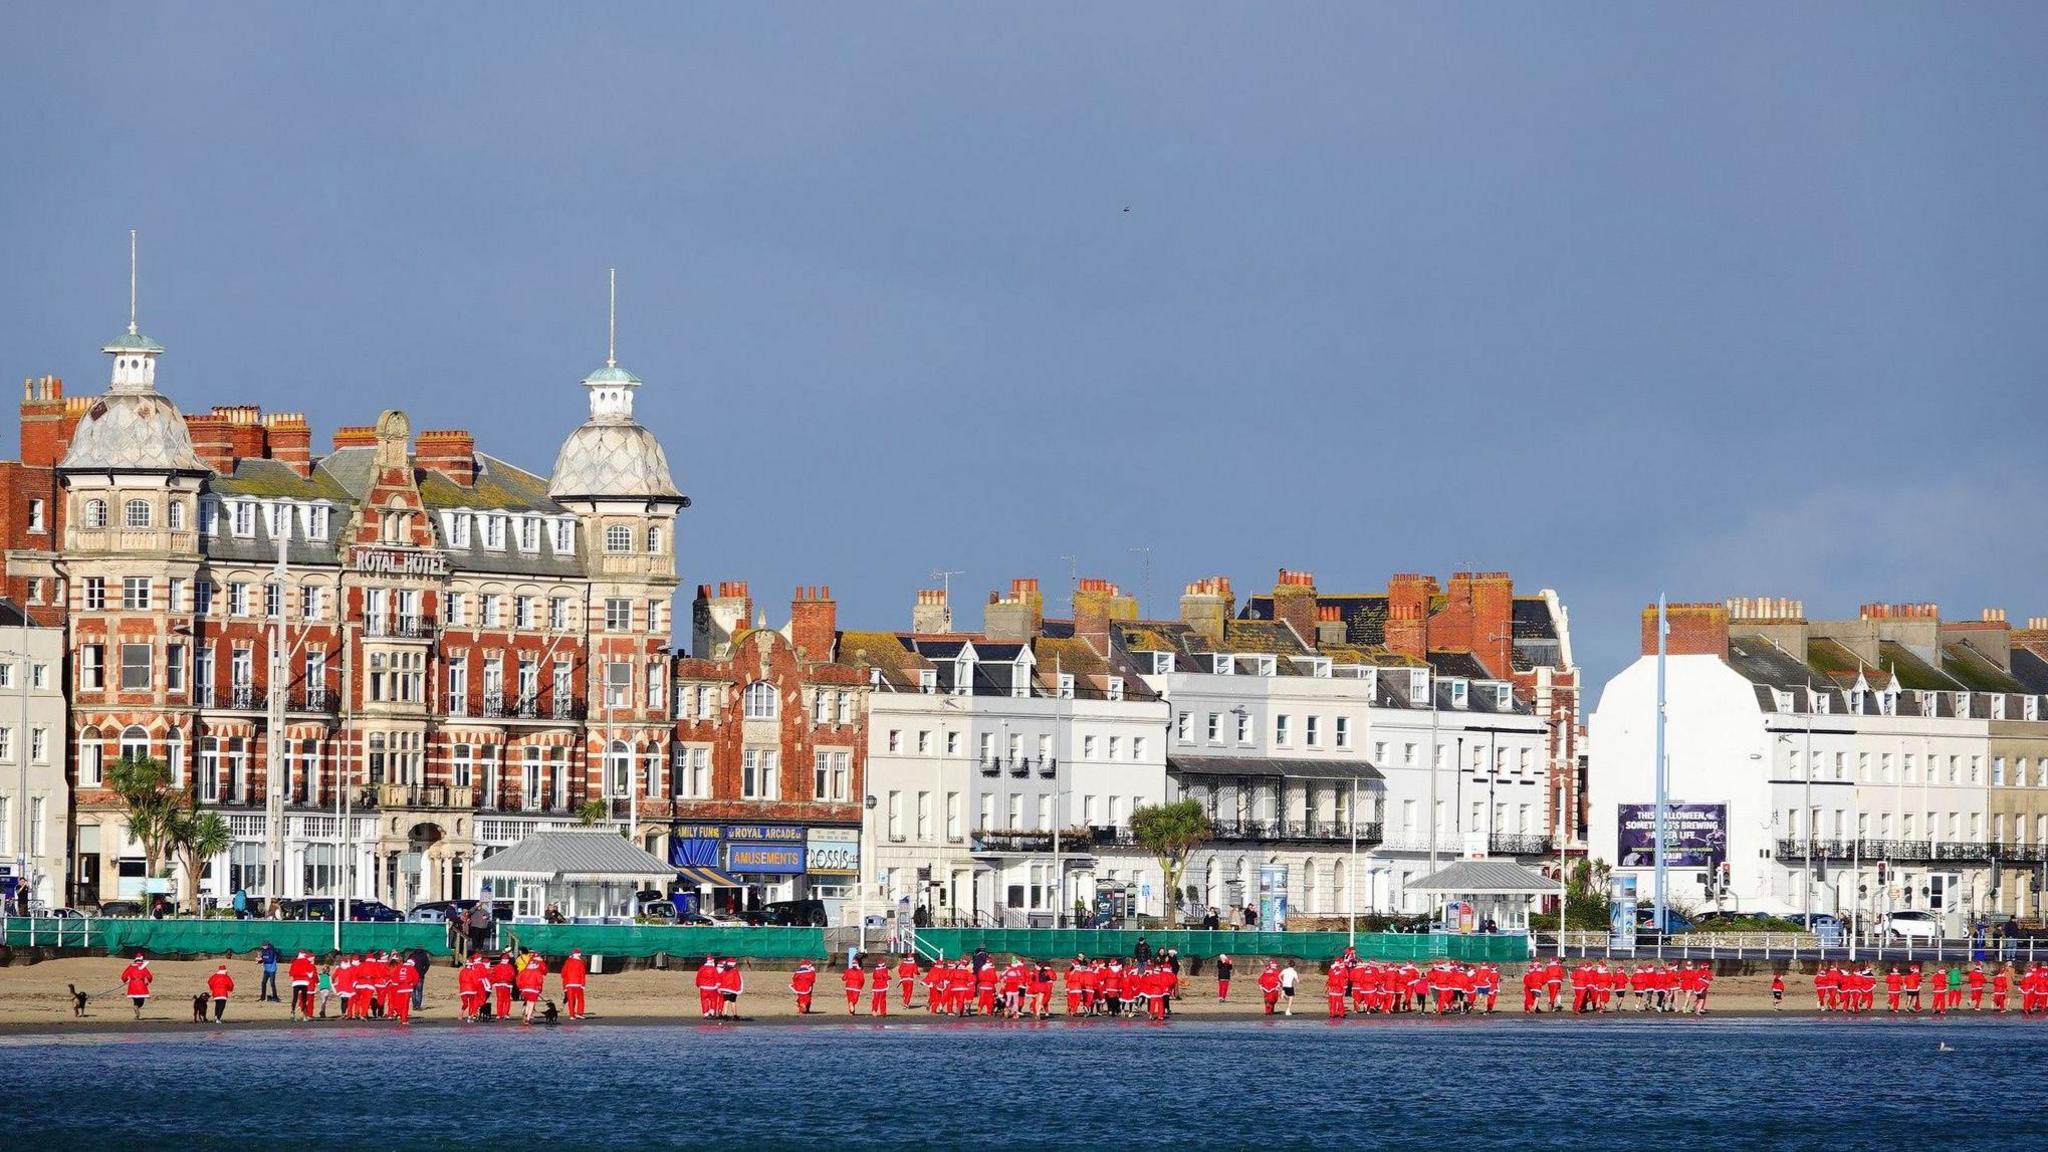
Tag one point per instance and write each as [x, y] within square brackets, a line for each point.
[1695, 835]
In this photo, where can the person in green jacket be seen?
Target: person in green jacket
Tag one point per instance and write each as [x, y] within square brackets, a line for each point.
[326, 988]
[1951, 994]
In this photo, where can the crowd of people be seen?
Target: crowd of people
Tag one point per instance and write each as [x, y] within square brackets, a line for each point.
[1852, 990]
[391, 986]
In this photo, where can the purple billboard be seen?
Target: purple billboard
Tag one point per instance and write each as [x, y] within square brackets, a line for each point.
[1695, 835]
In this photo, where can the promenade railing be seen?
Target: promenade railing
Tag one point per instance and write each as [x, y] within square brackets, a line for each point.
[1505, 947]
[642, 940]
[1794, 947]
[192, 936]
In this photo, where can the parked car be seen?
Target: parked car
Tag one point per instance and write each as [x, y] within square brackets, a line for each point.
[442, 911]
[322, 908]
[790, 914]
[1674, 920]
[1913, 925]
[123, 909]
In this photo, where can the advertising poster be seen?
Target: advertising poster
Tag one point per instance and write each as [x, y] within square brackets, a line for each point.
[1695, 835]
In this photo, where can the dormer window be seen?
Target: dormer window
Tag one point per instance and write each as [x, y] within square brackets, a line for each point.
[1116, 688]
[494, 533]
[1503, 696]
[209, 517]
[1162, 663]
[1459, 690]
[927, 680]
[1784, 700]
[565, 536]
[1820, 703]
[1268, 666]
[1998, 706]
[317, 516]
[1020, 679]
[963, 677]
[1888, 702]
[277, 519]
[2030, 707]
[1066, 686]
[1418, 686]
[245, 519]
[529, 534]
[1856, 701]
[1962, 703]
[458, 530]
[1222, 663]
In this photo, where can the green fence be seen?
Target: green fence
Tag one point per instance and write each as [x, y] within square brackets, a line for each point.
[648, 939]
[1051, 942]
[178, 936]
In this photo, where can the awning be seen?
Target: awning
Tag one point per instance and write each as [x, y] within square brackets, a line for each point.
[706, 877]
[1273, 767]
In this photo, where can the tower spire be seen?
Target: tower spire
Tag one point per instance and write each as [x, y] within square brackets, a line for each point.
[131, 282]
[611, 337]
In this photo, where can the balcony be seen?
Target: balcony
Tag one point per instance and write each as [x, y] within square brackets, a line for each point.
[1519, 844]
[565, 709]
[1294, 831]
[1791, 849]
[494, 708]
[242, 697]
[1020, 766]
[424, 796]
[996, 840]
[314, 700]
[992, 767]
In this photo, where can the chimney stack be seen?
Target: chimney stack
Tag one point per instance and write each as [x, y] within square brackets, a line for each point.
[449, 451]
[1696, 630]
[1410, 599]
[813, 622]
[931, 615]
[715, 618]
[1206, 605]
[1329, 625]
[290, 441]
[1097, 602]
[1018, 616]
[1294, 603]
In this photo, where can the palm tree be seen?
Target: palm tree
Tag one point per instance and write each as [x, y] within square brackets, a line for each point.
[591, 811]
[1170, 832]
[144, 786]
[199, 837]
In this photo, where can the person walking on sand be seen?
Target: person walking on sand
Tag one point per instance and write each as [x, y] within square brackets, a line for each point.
[421, 961]
[878, 987]
[575, 974]
[267, 956]
[532, 980]
[220, 986]
[137, 977]
[731, 983]
[906, 978]
[1288, 979]
[1223, 970]
[302, 973]
[803, 982]
[853, 978]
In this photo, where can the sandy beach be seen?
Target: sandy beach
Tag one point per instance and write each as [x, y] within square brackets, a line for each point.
[36, 998]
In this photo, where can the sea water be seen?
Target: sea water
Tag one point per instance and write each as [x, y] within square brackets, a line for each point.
[1301, 1083]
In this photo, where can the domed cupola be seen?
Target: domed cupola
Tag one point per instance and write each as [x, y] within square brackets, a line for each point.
[133, 428]
[612, 456]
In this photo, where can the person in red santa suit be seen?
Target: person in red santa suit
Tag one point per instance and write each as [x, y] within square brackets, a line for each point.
[731, 982]
[878, 986]
[906, 978]
[985, 989]
[220, 986]
[137, 977]
[803, 982]
[707, 988]
[1269, 986]
[504, 979]
[403, 981]
[532, 982]
[469, 987]
[854, 978]
[303, 974]
[575, 974]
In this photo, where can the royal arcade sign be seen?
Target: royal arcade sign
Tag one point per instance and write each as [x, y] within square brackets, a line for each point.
[766, 849]
[379, 561]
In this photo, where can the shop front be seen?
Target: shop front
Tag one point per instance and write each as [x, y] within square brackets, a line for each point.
[741, 869]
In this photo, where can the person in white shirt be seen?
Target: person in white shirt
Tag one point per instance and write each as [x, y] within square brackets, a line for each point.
[1288, 979]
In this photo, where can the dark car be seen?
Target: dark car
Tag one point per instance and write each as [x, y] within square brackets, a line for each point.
[442, 911]
[790, 914]
[322, 908]
[123, 909]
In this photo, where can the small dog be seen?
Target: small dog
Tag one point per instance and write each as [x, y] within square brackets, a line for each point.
[548, 1013]
[77, 1000]
[199, 1003]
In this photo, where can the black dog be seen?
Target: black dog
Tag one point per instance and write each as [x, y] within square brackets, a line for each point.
[77, 1000]
[199, 1008]
[548, 1014]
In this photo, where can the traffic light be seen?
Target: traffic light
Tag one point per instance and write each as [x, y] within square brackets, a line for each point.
[1881, 873]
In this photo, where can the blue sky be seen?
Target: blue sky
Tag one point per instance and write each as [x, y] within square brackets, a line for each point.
[1723, 300]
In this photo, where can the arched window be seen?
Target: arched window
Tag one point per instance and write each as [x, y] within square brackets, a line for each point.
[654, 541]
[618, 538]
[1308, 887]
[760, 701]
[135, 514]
[95, 513]
[134, 742]
[174, 516]
[618, 769]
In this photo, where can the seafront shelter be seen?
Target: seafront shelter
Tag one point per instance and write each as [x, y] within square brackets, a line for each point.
[1499, 891]
[591, 876]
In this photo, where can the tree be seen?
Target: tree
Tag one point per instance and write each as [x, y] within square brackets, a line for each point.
[144, 786]
[1585, 896]
[199, 837]
[1170, 832]
[591, 811]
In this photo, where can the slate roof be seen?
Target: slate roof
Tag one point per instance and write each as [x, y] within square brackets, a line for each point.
[1485, 878]
[2030, 669]
[595, 855]
[499, 485]
[1973, 670]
